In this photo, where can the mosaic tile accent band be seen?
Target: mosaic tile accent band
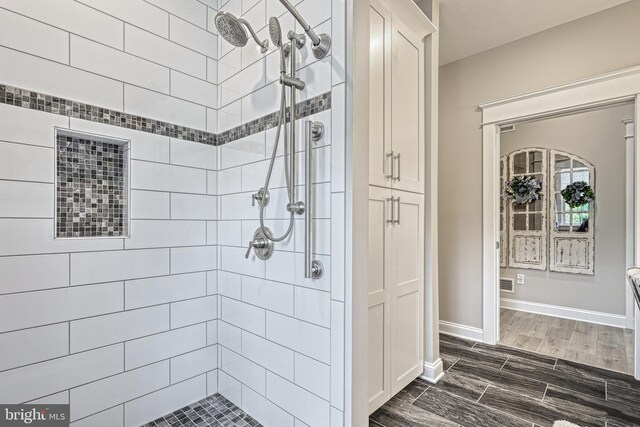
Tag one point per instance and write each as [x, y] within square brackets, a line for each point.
[25, 98]
[92, 194]
[306, 108]
[213, 411]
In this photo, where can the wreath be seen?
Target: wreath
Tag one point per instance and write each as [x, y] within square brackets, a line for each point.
[523, 190]
[578, 194]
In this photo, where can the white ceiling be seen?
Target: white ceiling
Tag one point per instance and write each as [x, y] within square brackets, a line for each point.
[468, 27]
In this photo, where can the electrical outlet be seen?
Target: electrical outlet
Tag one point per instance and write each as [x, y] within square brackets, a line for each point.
[520, 279]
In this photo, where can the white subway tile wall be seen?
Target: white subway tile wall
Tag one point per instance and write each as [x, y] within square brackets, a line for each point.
[132, 329]
[119, 329]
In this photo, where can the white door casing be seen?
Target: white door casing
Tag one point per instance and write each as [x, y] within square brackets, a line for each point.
[504, 215]
[630, 306]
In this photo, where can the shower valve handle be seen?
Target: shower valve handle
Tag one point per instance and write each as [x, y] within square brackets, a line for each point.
[259, 243]
[261, 196]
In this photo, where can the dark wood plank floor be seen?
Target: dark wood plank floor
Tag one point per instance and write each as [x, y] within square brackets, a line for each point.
[487, 386]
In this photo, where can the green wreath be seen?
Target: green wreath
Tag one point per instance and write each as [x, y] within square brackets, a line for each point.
[523, 190]
[578, 194]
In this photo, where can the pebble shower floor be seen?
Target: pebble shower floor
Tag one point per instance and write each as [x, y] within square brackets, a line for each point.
[213, 411]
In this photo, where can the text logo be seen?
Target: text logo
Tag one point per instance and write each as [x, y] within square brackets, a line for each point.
[34, 415]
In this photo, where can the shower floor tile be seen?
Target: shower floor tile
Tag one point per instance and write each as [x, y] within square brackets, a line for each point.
[213, 411]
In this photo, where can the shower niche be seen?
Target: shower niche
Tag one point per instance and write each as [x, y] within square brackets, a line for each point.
[92, 186]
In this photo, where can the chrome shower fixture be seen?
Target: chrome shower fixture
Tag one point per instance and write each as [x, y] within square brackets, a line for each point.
[275, 31]
[320, 44]
[230, 28]
[264, 240]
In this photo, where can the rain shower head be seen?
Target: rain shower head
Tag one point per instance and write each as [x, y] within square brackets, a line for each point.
[230, 28]
[275, 31]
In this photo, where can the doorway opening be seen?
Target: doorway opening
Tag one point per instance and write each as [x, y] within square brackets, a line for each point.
[566, 236]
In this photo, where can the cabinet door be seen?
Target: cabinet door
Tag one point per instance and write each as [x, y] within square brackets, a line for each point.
[407, 289]
[407, 110]
[380, 156]
[379, 390]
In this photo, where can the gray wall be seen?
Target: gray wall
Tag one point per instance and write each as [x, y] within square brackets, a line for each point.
[591, 46]
[598, 137]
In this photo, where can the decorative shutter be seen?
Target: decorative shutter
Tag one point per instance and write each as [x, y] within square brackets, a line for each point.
[528, 223]
[572, 231]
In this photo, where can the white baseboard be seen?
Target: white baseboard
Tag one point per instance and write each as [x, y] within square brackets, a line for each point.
[433, 372]
[616, 320]
[461, 331]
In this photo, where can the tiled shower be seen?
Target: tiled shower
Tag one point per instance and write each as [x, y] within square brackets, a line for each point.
[134, 299]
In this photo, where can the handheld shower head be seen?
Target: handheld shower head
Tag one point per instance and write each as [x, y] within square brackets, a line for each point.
[275, 31]
[230, 28]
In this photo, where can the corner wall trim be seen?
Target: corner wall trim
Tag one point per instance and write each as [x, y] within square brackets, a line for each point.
[461, 331]
[433, 372]
[615, 320]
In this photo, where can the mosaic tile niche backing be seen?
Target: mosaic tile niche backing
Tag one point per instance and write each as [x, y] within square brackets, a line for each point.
[92, 191]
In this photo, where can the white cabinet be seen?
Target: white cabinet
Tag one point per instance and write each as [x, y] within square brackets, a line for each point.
[396, 276]
[396, 114]
[396, 197]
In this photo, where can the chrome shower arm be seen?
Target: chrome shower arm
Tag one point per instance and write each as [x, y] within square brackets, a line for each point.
[320, 44]
[307, 28]
[264, 45]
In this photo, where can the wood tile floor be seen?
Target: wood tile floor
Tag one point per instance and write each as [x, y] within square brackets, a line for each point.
[597, 345]
[500, 386]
